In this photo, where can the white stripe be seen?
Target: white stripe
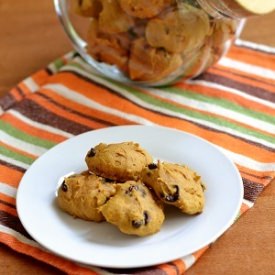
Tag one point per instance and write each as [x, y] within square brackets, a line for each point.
[231, 90]
[215, 109]
[39, 125]
[8, 190]
[248, 203]
[189, 260]
[20, 144]
[76, 97]
[247, 68]
[249, 162]
[19, 236]
[14, 162]
[255, 46]
[31, 84]
[133, 98]
[52, 68]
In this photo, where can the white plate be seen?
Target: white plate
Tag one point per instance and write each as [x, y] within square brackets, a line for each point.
[102, 244]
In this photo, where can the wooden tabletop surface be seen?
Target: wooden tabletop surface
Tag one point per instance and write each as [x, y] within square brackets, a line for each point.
[30, 38]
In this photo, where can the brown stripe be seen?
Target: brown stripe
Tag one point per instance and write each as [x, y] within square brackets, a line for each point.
[14, 223]
[20, 169]
[244, 76]
[8, 204]
[252, 190]
[37, 113]
[7, 101]
[251, 90]
[258, 177]
[90, 117]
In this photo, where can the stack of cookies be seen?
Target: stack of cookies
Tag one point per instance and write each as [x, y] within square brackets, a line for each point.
[124, 187]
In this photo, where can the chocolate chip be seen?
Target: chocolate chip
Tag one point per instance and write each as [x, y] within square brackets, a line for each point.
[174, 197]
[64, 186]
[152, 166]
[91, 153]
[137, 224]
[108, 180]
[146, 217]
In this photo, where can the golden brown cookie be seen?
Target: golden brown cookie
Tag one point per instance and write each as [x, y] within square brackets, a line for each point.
[180, 30]
[147, 63]
[176, 185]
[87, 8]
[144, 8]
[80, 195]
[118, 161]
[134, 210]
[113, 19]
[112, 49]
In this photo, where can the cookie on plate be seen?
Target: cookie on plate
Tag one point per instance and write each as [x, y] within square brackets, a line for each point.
[80, 195]
[134, 210]
[118, 161]
[176, 185]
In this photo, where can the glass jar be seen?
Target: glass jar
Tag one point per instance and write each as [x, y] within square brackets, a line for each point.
[151, 42]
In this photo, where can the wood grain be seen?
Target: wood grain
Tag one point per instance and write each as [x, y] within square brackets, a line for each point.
[30, 38]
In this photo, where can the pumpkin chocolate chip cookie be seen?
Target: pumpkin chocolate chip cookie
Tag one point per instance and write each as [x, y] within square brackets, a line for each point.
[176, 185]
[118, 161]
[80, 195]
[134, 210]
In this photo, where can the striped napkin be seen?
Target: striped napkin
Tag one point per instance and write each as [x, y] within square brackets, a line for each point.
[231, 105]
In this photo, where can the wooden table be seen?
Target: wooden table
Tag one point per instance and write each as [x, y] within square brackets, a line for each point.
[31, 37]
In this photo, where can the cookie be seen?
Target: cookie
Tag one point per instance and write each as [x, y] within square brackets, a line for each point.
[147, 63]
[87, 8]
[180, 30]
[113, 19]
[144, 8]
[112, 49]
[80, 195]
[176, 185]
[118, 161]
[134, 210]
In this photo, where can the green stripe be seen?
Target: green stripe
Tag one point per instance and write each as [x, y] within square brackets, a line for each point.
[194, 114]
[181, 110]
[15, 155]
[220, 102]
[12, 131]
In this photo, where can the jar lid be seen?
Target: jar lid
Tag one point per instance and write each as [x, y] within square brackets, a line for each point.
[251, 7]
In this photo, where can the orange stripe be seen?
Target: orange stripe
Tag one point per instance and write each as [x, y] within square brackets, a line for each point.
[250, 74]
[10, 176]
[63, 264]
[168, 269]
[8, 209]
[40, 77]
[84, 109]
[7, 199]
[244, 208]
[24, 88]
[234, 98]
[16, 95]
[241, 78]
[29, 129]
[180, 266]
[253, 57]
[199, 253]
[265, 181]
